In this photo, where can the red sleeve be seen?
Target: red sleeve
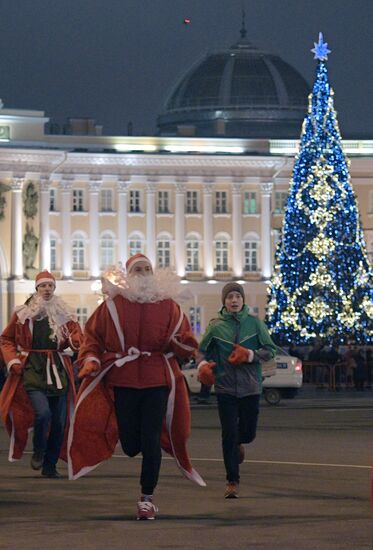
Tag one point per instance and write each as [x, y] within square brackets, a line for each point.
[93, 343]
[8, 340]
[75, 335]
[183, 342]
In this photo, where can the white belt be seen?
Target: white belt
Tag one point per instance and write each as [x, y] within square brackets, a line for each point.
[134, 353]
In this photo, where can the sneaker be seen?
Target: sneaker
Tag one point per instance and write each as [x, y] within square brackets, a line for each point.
[37, 460]
[231, 490]
[241, 453]
[146, 510]
[50, 472]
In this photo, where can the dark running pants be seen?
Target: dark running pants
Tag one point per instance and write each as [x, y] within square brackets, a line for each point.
[140, 414]
[49, 425]
[238, 419]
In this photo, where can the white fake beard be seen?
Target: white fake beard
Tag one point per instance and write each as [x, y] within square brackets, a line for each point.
[162, 285]
[57, 311]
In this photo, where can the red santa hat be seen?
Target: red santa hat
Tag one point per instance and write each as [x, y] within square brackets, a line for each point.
[44, 277]
[133, 260]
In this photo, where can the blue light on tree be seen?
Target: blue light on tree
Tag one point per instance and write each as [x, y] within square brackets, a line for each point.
[322, 284]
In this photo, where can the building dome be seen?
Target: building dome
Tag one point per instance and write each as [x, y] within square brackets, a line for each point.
[239, 92]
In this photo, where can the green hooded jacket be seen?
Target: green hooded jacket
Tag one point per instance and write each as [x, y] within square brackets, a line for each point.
[217, 344]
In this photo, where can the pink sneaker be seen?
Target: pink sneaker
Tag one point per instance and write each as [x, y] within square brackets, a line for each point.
[146, 510]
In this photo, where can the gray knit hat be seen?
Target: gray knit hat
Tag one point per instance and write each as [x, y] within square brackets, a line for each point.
[232, 287]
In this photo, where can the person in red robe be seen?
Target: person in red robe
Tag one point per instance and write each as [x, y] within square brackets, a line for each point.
[39, 391]
[133, 388]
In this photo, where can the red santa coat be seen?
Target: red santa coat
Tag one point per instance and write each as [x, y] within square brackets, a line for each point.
[15, 407]
[134, 343]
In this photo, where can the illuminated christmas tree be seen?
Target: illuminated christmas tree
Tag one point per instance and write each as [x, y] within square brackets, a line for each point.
[322, 284]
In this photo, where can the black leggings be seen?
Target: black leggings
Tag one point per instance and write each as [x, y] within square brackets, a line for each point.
[140, 414]
[238, 419]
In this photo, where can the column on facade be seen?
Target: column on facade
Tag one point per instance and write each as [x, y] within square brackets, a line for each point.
[94, 226]
[237, 255]
[122, 186]
[265, 220]
[66, 186]
[180, 229]
[150, 222]
[45, 257]
[208, 230]
[16, 237]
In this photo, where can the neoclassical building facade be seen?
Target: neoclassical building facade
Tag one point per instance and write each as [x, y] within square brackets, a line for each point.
[209, 208]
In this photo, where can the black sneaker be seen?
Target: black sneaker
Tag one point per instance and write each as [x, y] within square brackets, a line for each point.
[50, 472]
[37, 460]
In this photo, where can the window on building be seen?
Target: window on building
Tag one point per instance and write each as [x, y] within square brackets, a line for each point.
[281, 198]
[135, 201]
[249, 202]
[78, 200]
[163, 253]
[163, 202]
[136, 246]
[221, 202]
[192, 202]
[82, 315]
[192, 255]
[107, 256]
[106, 196]
[195, 314]
[251, 256]
[53, 253]
[52, 200]
[221, 248]
[78, 250]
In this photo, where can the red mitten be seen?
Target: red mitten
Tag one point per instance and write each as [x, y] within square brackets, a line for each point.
[90, 368]
[240, 355]
[16, 368]
[206, 373]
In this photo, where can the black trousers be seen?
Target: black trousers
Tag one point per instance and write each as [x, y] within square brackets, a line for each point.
[140, 415]
[238, 419]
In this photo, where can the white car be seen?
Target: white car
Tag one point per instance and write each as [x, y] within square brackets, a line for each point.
[284, 384]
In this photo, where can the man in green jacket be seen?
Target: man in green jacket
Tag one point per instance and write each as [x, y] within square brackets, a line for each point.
[234, 346]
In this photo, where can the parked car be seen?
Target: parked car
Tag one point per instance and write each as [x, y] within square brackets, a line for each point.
[284, 384]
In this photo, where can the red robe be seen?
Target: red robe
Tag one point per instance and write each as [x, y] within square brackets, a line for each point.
[134, 344]
[15, 407]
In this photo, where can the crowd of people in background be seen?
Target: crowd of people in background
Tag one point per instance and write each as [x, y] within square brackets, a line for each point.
[336, 366]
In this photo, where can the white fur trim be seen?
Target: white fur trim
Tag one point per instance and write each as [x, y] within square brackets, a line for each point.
[13, 362]
[45, 280]
[178, 324]
[92, 359]
[115, 318]
[182, 346]
[72, 345]
[193, 475]
[132, 263]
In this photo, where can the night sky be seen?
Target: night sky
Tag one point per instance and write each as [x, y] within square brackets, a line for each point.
[116, 60]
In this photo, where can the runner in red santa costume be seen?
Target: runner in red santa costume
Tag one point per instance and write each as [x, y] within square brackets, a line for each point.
[39, 391]
[133, 388]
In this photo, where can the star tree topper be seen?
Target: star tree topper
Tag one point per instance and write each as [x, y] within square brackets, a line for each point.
[321, 49]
